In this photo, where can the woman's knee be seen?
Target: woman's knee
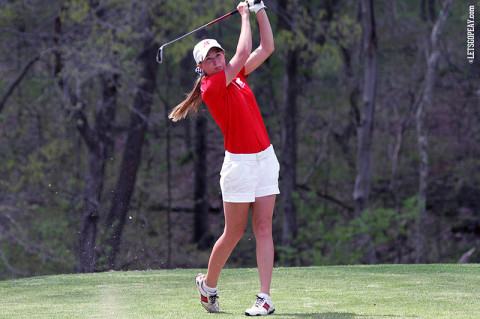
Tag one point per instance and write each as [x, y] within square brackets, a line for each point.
[234, 234]
[262, 228]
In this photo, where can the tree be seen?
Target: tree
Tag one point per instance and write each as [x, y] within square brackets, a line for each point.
[123, 192]
[432, 54]
[98, 145]
[361, 193]
[201, 230]
[97, 138]
[288, 21]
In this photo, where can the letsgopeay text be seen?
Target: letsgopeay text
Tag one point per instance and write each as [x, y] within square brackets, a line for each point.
[471, 35]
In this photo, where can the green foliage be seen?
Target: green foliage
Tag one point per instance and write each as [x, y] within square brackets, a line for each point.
[79, 10]
[36, 241]
[328, 237]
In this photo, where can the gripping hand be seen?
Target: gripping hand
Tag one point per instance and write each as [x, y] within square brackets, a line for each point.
[255, 7]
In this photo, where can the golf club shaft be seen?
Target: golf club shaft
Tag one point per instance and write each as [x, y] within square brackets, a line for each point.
[160, 51]
[159, 57]
[203, 26]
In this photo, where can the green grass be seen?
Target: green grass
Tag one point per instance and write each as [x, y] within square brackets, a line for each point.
[385, 291]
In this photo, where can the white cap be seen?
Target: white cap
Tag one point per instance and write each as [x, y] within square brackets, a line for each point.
[201, 49]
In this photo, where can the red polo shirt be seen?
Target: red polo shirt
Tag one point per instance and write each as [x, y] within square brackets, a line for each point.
[235, 110]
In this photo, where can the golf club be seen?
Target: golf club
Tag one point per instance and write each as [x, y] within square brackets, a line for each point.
[159, 57]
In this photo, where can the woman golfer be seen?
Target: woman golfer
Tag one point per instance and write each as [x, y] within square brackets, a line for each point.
[249, 175]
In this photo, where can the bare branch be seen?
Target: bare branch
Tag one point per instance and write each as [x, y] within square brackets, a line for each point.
[15, 83]
[321, 154]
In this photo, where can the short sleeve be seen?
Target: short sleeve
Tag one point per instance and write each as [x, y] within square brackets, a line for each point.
[214, 87]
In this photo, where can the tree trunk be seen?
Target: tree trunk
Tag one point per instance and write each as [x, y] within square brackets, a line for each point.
[433, 54]
[58, 68]
[186, 84]
[289, 148]
[361, 193]
[98, 150]
[288, 157]
[201, 230]
[394, 185]
[427, 10]
[87, 234]
[132, 153]
[98, 141]
[168, 160]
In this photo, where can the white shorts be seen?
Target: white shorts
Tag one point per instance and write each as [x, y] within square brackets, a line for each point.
[246, 176]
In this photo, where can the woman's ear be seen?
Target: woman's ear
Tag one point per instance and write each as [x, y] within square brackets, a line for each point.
[199, 69]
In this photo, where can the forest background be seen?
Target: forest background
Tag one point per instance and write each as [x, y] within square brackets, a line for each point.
[372, 107]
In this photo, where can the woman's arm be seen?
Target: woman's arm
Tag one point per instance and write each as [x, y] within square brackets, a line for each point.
[266, 46]
[244, 46]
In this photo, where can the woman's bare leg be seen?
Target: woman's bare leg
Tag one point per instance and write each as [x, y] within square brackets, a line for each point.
[236, 217]
[262, 214]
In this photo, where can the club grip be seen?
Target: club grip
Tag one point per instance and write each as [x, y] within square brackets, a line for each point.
[236, 11]
[256, 1]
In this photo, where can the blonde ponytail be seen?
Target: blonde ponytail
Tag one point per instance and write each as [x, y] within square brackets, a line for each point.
[190, 103]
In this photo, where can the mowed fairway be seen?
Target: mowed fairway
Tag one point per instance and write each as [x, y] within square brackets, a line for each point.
[385, 291]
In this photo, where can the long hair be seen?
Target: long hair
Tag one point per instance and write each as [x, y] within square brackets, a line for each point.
[191, 102]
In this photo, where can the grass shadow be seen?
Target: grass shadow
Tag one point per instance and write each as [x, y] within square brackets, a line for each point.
[325, 315]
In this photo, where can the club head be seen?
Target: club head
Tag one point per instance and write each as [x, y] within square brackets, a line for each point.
[160, 55]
